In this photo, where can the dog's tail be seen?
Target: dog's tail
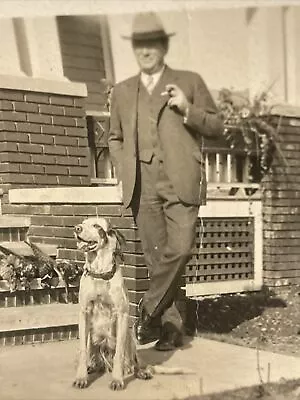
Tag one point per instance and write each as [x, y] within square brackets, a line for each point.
[163, 370]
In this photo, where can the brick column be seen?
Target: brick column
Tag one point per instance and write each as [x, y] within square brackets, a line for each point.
[43, 140]
[281, 205]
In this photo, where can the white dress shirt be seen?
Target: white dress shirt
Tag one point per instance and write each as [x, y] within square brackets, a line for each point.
[156, 76]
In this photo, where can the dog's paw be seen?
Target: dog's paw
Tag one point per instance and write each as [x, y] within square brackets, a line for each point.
[144, 373]
[80, 383]
[117, 384]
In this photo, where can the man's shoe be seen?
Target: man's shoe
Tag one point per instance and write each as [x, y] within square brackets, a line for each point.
[171, 338]
[145, 331]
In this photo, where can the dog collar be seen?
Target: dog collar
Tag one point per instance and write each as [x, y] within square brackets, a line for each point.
[106, 276]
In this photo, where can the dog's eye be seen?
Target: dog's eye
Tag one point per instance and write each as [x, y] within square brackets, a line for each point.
[78, 229]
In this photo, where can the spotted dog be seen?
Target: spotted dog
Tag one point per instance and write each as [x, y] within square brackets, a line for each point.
[105, 339]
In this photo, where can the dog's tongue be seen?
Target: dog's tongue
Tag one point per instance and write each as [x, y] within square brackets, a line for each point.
[81, 245]
[86, 246]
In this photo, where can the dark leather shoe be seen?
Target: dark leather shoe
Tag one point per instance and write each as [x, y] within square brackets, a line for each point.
[144, 329]
[171, 338]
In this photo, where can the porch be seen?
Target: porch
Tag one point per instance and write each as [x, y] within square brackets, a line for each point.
[55, 168]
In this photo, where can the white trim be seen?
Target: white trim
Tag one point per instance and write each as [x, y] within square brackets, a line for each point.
[97, 114]
[286, 110]
[231, 208]
[16, 8]
[41, 85]
[225, 287]
[109, 192]
[106, 48]
[66, 195]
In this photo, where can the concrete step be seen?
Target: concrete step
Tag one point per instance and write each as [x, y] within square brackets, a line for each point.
[38, 323]
[12, 221]
[38, 316]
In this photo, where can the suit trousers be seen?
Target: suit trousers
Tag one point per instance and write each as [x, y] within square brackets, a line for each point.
[167, 231]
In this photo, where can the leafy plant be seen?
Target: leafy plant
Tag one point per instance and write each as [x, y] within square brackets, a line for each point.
[248, 127]
[20, 271]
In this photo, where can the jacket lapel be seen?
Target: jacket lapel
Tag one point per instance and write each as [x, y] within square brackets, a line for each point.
[131, 100]
[167, 77]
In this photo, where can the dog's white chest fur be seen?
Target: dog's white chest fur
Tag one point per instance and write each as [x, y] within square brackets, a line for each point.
[103, 300]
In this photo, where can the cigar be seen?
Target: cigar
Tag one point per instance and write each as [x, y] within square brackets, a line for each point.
[164, 93]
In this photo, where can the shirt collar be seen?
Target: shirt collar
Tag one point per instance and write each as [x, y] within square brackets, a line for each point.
[156, 76]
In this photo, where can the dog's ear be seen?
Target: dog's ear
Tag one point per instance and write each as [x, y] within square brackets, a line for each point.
[112, 231]
[101, 231]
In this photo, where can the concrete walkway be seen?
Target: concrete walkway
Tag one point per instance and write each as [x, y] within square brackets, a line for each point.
[46, 371]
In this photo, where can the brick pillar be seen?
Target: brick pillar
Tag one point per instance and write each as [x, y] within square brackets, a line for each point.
[281, 208]
[43, 140]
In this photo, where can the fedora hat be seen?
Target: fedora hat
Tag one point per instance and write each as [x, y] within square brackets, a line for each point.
[147, 25]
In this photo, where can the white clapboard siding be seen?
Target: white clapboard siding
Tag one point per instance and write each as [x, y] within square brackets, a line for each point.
[82, 55]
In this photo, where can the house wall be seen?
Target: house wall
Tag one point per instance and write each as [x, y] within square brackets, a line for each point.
[42, 111]
[196, 45]
[83, 57]
[43, 140]
[54, 213]
[239, 48]
[43, 134]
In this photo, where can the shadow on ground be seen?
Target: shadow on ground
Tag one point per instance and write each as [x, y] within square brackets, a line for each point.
[153, 357]
[223, 314]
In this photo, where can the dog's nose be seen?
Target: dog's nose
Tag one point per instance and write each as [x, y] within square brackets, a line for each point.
[78, 229]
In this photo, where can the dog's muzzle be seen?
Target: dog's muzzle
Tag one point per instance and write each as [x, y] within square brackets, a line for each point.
[82, 244]
[86, 244]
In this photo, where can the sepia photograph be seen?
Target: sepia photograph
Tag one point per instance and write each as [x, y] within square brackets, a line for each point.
[149, 206]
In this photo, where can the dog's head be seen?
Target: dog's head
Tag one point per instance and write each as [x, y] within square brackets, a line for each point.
[95, 233]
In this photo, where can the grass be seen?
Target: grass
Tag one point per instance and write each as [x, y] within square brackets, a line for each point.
[265, 320]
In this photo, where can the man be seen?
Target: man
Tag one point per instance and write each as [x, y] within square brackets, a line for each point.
[158, 119]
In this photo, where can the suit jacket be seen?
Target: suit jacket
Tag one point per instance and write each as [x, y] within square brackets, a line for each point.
[181, 142]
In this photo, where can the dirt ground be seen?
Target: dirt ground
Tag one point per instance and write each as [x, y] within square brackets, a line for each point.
[280, 391]
[265, 320]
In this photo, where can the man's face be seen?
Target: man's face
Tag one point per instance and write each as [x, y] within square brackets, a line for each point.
[150, 54]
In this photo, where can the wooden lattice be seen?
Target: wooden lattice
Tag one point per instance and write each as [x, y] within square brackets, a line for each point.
[224, 250]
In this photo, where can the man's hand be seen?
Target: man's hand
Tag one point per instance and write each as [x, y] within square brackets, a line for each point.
[177, 98]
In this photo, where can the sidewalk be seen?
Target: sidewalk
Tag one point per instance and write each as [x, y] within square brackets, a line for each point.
[46, 371]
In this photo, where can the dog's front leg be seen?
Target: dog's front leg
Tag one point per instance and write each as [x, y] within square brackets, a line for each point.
[81, 379]
[117, 382]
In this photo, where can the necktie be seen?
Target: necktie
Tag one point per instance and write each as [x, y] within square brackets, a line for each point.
[150, 84]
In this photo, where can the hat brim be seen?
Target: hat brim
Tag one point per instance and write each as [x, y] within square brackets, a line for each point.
[148, 36]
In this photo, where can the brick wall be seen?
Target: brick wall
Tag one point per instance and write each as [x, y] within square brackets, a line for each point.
[281, 209]
[43, 140]
[54, 223]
